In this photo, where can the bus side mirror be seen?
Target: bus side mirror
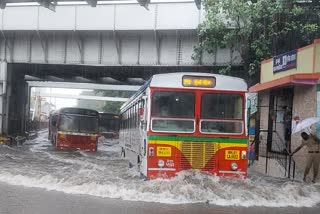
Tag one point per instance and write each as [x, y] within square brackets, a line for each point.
[141, 113]
[142, 124]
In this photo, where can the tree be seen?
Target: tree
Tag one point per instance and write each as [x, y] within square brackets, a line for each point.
[104, 106]
[91, 104]
[257, 30]
[112, 106]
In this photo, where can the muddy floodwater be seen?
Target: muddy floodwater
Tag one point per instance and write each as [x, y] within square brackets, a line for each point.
[103, 178]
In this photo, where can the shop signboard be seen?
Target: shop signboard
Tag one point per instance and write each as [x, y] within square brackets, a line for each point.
[252, 102]
[285, 61]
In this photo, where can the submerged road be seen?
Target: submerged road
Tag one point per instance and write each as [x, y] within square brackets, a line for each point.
[18, 200]
[34, 178]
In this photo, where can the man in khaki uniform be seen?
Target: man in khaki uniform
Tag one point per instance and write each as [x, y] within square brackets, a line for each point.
[313, 158]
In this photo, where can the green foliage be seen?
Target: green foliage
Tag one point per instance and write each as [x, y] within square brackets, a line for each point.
[90, 104]
[104, 106]
[114, 107]
[256, 30]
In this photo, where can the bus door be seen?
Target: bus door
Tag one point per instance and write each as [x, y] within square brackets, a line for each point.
[143, 116]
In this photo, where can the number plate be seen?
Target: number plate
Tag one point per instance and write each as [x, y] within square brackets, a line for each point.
[232, 155]
[163, 151]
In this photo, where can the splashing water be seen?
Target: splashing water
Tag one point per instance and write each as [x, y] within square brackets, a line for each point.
[104, 174]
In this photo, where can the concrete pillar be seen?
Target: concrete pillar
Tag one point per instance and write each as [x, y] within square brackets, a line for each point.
[3, 97]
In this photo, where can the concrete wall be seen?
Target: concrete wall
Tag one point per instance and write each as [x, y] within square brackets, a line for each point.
[162, 16]
[304, 65]
[304, 104]
[3, 97]
[263, 109]
[317, 56]
[14, 106]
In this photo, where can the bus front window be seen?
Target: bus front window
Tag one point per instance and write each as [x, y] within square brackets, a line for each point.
[221, 113]
[109, 125]
[74, 123]
[89, 125]
[173, 111]
[69, 123]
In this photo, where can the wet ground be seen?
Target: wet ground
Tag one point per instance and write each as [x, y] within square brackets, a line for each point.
[84, 182]
[18, 200]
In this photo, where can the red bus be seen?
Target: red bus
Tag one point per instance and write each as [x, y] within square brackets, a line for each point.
[109, 125]
[182, 121]
[74, 128]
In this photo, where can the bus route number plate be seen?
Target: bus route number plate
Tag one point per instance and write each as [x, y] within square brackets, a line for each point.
[232, 155]
[163, 151]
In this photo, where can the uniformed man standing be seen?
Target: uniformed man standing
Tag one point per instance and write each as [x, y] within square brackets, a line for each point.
[313, 158]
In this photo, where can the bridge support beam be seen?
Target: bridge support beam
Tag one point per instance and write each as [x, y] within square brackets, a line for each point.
[3, 97]
[13, 100]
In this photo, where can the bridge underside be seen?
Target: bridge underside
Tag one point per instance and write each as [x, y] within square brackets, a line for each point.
[110, 48]
[15, 90]
[98, 74]
[112, 44]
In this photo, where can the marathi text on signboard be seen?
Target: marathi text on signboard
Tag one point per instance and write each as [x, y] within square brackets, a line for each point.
[285, 61]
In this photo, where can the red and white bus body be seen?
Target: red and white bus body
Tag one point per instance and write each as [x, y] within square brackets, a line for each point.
[183, 121]
[74, 128]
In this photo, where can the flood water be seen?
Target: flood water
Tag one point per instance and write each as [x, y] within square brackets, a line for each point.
[105, 175]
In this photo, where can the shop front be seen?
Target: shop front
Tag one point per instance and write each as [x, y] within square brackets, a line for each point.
[289, 91]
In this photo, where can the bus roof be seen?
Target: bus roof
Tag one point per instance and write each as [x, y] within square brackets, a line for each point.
[79, 111]
[222, 82]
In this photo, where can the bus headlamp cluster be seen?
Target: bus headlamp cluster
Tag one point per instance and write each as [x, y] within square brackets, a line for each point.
[243, 155]
[62, 136]
[234, 166]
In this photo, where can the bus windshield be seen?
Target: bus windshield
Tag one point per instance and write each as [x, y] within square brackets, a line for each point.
[221, 113]
[77, 123]
[109, 125]
[173, 111]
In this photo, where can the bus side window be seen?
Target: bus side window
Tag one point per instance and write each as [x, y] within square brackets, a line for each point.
[141, 112]
[145, 112]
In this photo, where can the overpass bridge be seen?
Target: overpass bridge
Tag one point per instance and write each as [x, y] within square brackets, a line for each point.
[106, 35]
[109, 44]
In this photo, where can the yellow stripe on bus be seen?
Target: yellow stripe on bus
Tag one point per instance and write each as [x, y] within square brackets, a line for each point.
[178, 144]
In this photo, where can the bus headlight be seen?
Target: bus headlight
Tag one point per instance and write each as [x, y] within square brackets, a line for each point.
[234, 166]
[160, 163]
[62, 136]
[243, 155]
